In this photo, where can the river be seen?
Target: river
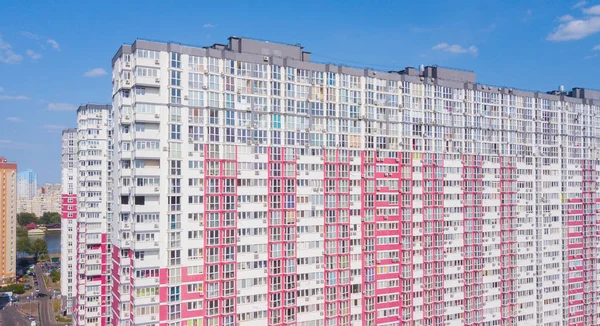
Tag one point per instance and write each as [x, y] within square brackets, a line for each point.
[52, 239]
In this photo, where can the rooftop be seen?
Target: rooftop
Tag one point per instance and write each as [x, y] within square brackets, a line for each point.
[254, 50]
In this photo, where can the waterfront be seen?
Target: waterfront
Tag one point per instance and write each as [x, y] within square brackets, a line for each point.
[52, 239]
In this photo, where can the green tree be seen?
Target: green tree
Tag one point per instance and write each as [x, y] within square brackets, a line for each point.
[14, 288]
[50, 218]
[55, 275]
[38, 247]
[23, 245]
[25, 218]
[21, 232]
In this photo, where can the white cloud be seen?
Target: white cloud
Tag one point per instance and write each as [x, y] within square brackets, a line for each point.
[208, 26]
[596, 48]
[565, 18]
[96, 72]
[575, 29]
[591, 56]
[53, 127]
[61, 107]
[29, 35]
[580, 4]
[6, 143]
[6, 53]
[33, 55]
[1, 89]
[594, 10]
[528, 16]
[54, 44]
[455, 48]
[14, 119]
[13, 98]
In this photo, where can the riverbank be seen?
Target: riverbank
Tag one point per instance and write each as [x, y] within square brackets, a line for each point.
[52, 240]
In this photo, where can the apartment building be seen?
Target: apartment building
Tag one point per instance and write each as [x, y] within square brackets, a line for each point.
[48, 199]
[255, 187]
[8, 220]
[68, 235]
[93, 216]
[27, 184]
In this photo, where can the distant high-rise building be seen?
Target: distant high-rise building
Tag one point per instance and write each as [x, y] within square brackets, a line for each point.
[94, 215]
[27, 184]
[8, 217]
[48, 199]
[68, 241]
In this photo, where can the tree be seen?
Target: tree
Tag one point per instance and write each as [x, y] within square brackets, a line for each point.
[55, 275]
[50, 218]
[26, 218]
[21, 232]
[23, 245]
[38, 247]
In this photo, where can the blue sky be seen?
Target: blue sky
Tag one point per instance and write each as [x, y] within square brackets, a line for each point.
[54, 54]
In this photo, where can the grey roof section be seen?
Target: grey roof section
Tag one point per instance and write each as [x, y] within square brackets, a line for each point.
[257, 51]
[95, 106]
[69, 130]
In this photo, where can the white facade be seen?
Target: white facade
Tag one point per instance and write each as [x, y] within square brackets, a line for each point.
[253, 187]
[68, 236]
[94, 148]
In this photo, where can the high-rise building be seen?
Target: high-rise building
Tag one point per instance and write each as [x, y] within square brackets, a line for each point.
[8, 220]
[94, 193]
[68, 235]
[48, 199]
[27, 184]
[255, 187]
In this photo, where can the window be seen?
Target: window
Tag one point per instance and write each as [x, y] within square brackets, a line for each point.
[175, 96]
[175, 114]
[175, 132]
[147, 54]
[195, 98]
[175, 78]
[195, 63]
[176, 60]
[146, 72]
[174, 257]
[195, 81]
[213, 99]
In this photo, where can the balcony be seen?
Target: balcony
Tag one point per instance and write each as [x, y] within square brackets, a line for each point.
[148, 208]
[146, 81]
[145, 190]
[143, 282]
[146, 263]
[146, 154]
[146, 117]
[145, 300]
[145, 319]
[92, 272]
[148, 172]
[139, 227]
[145, 245]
